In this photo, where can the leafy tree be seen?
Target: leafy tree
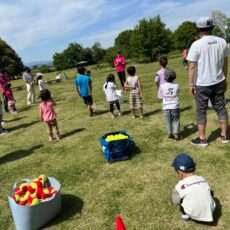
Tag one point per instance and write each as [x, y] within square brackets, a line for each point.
[123, 43]
[110, 55]
[9, 60]
[97, 52]
[185, 35]
[150, 38]
[217, 31]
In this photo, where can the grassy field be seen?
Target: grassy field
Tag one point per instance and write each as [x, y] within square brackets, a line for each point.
[94, 191]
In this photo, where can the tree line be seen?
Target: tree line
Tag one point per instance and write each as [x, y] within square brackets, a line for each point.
[144, 43]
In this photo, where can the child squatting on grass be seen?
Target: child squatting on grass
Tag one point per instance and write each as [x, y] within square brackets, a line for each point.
[133, 83]
[110, 92]
[47, 113]
[192, 192]
[171, 106]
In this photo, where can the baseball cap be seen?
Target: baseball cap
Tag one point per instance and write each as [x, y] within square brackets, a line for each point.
[81, 69]
[169, 75]
[184, 162]
[205, 22]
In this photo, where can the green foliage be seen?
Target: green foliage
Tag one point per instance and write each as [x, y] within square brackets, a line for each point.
[9, 60]
[217, 31]
[109, 56]
[123, 43]
[97, 52]
[185, 35]
[150, 38]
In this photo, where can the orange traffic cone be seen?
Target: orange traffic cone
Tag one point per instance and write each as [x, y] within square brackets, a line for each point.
[119, 223]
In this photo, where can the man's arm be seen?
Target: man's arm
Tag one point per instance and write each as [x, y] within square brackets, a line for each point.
[225, 70]
[192, 72]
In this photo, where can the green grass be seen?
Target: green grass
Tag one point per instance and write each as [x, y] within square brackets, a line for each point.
[94, 191]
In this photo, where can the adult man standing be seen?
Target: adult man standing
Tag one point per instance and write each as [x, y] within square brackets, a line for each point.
[84, 88]
[208, 59]
[119, 64]
[28, 78]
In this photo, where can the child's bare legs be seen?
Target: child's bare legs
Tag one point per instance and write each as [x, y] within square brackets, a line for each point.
[55, 124]
[133, 112]
[90, 110]
[141, 112]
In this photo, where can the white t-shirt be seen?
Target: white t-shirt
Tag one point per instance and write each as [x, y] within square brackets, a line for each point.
[110, 91]
[197, 200]
[169, 92]
[209, 53]
[41, 84]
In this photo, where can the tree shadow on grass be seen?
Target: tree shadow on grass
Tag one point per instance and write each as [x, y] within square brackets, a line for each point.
[16, 155]
[72, 132]
[216, 215]
[15, 119]
[70, 206]
[188, 130]
[214, 135]
[23, 126]
[185, 108]
[100, 112]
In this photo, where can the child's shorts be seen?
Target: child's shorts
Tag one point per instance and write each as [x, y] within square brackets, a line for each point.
[88, 100]
[135, 101]
[11, 102]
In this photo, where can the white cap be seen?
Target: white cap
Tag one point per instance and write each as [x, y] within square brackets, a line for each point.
[39, 74]
[205, 22]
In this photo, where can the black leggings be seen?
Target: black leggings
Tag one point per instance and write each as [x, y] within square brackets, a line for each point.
[111, 105]
[121, 76]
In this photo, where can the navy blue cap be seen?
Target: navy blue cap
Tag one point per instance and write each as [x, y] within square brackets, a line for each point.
[169, 75]
[184, 162]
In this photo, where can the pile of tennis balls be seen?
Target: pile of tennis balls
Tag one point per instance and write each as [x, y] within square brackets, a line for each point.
[34, 192]
[116, 137]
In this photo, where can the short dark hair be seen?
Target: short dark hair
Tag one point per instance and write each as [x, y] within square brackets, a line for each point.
[45, 95]
[81, 70]
[131, 70]
[26, 68]
[163, 61]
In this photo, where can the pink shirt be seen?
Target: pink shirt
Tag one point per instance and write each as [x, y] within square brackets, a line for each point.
[160, 80]
[120, 67]
[47, 112]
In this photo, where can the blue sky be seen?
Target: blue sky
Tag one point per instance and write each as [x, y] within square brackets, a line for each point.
[36, 29]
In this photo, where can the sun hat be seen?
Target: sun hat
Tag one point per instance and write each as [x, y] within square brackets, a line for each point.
[205, 22]
[169, 75]
[184, 162]
[39, 74]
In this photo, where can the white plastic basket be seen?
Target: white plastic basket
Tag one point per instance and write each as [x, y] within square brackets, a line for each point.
[120, 96]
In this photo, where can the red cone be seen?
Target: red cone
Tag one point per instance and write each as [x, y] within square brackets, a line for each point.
[119, 223]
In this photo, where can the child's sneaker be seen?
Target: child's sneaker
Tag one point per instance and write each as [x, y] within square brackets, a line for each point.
[141, 116]
[112, 116]
[224, 139]
[185, 217]
[176, 137]
[170, 136]
[119, 114]
[199, 142]
[3, 131]
[134, 117]
[14, 112]
[58, 137]
[50, 138]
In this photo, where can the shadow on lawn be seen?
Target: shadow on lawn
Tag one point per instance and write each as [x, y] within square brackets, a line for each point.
[72, 132]
[70, 206]
[185, 108]
[16, 155]
[25, 125]
[16, 119]
[216, 215]
[188, 130]
[135, 150]
[148, 114]
[214, 135]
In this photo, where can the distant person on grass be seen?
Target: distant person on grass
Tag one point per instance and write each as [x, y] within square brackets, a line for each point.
[4, 80]
[185, 62]
[192, 192]
[171, 106]
[41, 82]
[119, 64]
[29, 80]
[133, 84]
[84, 88]
[159, 78]
[109, 89]
[208, 67]
[48, 114]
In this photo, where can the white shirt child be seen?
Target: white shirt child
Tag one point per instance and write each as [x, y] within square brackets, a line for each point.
[169, 92]
[198, 202]
[110, 91]
[41, 85]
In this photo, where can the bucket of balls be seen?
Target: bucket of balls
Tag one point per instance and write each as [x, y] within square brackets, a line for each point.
[116, 146]
[34, 203]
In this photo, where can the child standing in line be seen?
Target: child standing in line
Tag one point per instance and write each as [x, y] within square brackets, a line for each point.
[41, 82]
[2, 130]
[109, 89]
[171, 106]
[48, 115]
[159, 78]
[192, 192]
[10, 99]
[133, 83]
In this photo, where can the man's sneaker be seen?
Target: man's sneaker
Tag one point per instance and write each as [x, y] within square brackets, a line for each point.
[3, 131]
[185, 217]
[199, 142]
[224, 139]
[176, 137]
[170, 136]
